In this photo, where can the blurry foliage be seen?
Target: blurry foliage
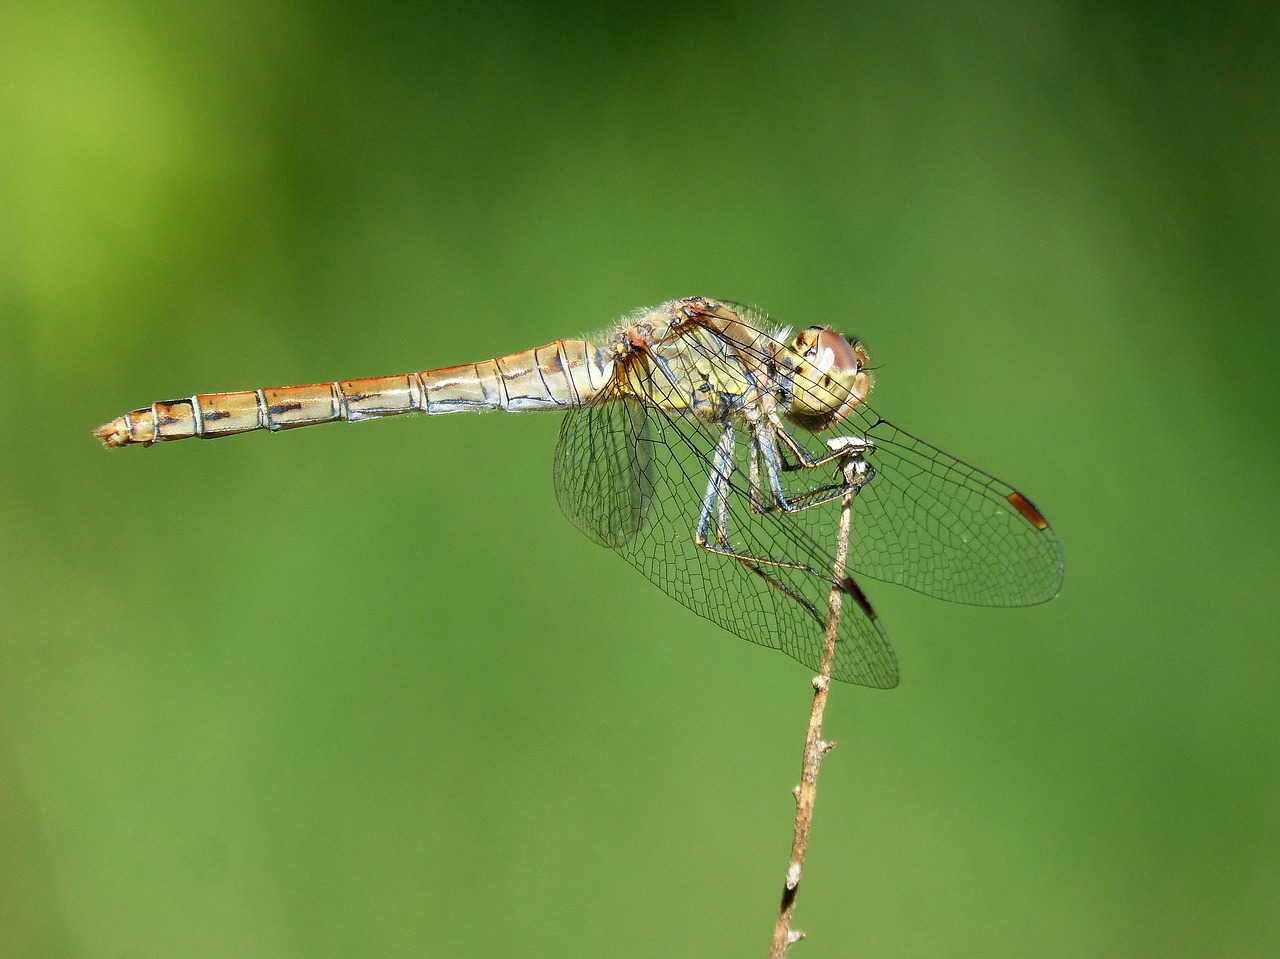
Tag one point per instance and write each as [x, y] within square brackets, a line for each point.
[363, 691]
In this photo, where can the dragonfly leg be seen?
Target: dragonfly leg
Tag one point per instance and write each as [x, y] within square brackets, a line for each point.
[840, 447]
[713, 529]
[775, 463]
[715, 502]
[713, 522]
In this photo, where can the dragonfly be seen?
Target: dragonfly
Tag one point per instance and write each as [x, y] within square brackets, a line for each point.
[711, 449]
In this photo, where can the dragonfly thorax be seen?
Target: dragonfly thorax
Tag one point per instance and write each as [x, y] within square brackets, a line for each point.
[828, 380]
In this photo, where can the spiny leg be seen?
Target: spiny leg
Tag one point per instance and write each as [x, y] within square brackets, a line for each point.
[843, 448]
[715, 504]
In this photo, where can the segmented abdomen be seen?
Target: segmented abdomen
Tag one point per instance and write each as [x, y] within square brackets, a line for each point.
[556, 376]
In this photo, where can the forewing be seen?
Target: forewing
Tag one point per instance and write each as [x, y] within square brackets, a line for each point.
[927, 520]
[936, 524]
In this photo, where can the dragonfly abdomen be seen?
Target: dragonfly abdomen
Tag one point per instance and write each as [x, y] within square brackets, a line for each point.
[556, 376]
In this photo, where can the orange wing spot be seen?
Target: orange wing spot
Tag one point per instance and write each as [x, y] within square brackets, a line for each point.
[1028, 510]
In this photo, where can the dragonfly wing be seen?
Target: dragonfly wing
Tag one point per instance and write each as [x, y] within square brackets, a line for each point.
[603, 470]
[927, 520]
[663, 463]
[937, 525]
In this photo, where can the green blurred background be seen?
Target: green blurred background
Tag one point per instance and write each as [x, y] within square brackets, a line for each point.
[362, 691]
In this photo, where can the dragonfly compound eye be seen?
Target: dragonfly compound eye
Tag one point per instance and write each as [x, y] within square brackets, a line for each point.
[829, 380]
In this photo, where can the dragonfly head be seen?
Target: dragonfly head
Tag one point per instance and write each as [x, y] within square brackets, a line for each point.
[828, 378]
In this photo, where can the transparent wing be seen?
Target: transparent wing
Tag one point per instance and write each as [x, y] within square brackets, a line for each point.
[663, 461]
[604, 478]
[937, 525]
[931, 522]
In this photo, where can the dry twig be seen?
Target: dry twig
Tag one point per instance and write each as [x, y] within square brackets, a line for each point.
[815, 747]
